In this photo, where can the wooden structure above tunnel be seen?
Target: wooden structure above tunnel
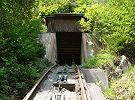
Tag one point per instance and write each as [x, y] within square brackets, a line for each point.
[64, 22]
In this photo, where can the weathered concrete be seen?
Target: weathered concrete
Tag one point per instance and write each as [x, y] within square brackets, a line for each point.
[90, 46]
[47, 88]
[95, 92]
[96, 76]
[70, 95]
[49, 42]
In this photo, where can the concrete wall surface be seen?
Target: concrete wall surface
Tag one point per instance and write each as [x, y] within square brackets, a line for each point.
[95, 93]
[49, 42]
[96, 76]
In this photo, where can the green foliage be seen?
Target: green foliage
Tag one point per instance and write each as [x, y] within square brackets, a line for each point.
[113, 23]
[20, 44]
[81, 5]
[19, 48]
[62, 6]
[17, 79]
[103, 57]
[123, 88]
[54, 6]
[91, 62]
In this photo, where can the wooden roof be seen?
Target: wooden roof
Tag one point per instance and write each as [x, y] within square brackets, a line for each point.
[64, 22]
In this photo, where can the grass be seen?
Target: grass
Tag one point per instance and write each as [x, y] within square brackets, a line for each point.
[102, 58]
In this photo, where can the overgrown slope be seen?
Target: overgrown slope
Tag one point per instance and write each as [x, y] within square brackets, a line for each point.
[122, 88]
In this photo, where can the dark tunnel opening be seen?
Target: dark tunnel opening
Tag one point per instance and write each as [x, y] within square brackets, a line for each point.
[69, 47]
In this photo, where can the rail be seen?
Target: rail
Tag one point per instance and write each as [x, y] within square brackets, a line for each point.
[32, 92]
[83, 91]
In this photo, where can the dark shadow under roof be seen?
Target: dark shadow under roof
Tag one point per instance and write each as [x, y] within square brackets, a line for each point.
[66, 15]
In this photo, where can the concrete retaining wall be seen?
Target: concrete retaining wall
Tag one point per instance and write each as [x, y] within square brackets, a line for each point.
[97, 76]
[49, 41]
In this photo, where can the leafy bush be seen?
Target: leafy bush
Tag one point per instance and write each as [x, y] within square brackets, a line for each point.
[16, 80]
[122, 88]
[90, 62]
[113, 23]
[105, 58]
[19, 48]
[102, 58]
[54, 6]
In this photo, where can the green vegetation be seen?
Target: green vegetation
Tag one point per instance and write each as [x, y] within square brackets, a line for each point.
[122, 88]
[112, 22]
[19, 49]
[102, 58]
[54, 6]
[91, 63]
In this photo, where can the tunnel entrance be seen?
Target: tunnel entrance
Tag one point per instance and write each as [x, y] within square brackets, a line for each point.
[69, 47]
[65, 46]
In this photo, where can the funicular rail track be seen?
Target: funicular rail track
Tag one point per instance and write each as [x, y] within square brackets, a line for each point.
[34, 90]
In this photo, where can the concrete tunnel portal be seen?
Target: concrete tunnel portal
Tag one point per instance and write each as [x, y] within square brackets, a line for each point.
[68, 38]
